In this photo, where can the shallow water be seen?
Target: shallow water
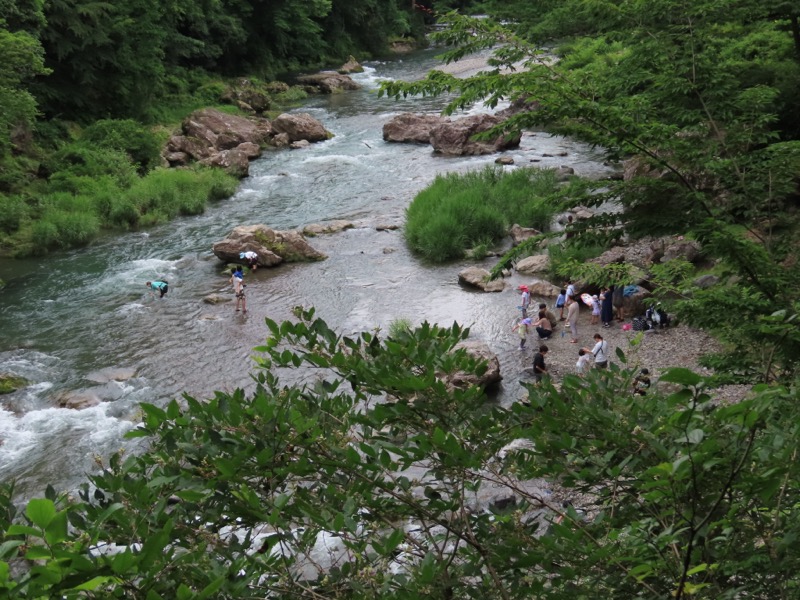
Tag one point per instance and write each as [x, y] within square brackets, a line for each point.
[65, 317]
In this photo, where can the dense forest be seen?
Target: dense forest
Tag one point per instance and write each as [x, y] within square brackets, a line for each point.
[379, 478]
[89, 90]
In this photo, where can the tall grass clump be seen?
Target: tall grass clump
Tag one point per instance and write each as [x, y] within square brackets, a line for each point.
[166, 193]
[459, 211]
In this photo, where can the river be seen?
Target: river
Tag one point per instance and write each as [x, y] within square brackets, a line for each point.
[66, 319]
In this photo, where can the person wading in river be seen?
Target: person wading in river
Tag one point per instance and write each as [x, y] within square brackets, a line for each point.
[237, 281]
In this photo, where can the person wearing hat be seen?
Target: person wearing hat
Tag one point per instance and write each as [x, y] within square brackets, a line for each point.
[526, 300]
[522, 330]
[595, 310]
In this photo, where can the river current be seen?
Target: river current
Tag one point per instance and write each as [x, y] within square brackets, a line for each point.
[70, 321]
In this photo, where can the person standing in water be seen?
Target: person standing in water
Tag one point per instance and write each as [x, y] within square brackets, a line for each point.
[237, 281]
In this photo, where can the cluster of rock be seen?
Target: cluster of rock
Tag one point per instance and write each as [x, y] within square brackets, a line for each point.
[272, 246]
[212, 137]
[450, 136]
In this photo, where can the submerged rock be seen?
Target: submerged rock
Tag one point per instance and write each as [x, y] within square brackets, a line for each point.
[11, 383]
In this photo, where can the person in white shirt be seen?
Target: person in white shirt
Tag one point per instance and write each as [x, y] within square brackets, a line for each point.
[600, 352]
[583, 361]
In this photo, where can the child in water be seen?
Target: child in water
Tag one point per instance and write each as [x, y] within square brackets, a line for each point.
[522, 330]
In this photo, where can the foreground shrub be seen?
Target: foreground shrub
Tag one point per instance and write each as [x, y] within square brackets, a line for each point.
[380, 481]
[459, 211]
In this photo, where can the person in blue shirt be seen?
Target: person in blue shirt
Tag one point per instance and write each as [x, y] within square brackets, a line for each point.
[237, 281]
[158, 286]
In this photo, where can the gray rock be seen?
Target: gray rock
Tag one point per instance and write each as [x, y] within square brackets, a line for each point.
[111, 374]
[706, 281]
[481, 351]
[300, 126]
[217, 299]
[411, 128]
[533, 264]
[520, 234]
[299, 144]
[351, 66]
[272, 247]
[328, 82]
[456, 137]
[504, 160]
[479, 278]
[327, 227]
[543, 289]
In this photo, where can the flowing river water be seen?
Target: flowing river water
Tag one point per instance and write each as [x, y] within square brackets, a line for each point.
[69, 321]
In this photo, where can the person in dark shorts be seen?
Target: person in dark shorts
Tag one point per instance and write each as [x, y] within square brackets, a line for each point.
[158, 286]
[539, 368]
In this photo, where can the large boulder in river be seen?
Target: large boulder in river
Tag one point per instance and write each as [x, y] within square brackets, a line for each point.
[519, 234]
[412, 128]
[537, 263]
[223, 131]
[456, 137]
[235, 161]
[272, 247]
[543, 289]
[479, 278]
[300, 126]
[328, 82]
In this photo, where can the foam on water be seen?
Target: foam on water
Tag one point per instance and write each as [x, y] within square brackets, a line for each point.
[369, 78]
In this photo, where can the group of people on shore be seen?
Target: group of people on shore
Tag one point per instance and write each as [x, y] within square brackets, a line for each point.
[161, 286]
[568, 305]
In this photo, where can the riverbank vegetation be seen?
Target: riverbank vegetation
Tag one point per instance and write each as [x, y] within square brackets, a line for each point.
[328, 490]
[90, 91]
[458, 212]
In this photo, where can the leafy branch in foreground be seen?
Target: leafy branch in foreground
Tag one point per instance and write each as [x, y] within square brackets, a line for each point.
[373, 478]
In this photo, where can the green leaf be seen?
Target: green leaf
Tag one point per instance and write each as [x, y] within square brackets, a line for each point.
[681, 376]
[41, 511]
[122, 562]
[56, 530]
[22, 530]
[211, 588]
[96, 582]
[7, 548]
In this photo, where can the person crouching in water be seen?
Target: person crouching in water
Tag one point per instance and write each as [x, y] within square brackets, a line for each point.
[237, 281]
[158, 286]
[251, 258]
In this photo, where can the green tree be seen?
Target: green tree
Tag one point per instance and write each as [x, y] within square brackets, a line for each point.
[377, 479]
[700, 99]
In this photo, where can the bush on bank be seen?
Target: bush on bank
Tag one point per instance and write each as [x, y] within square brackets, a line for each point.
[459, 211]
[326, 489]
